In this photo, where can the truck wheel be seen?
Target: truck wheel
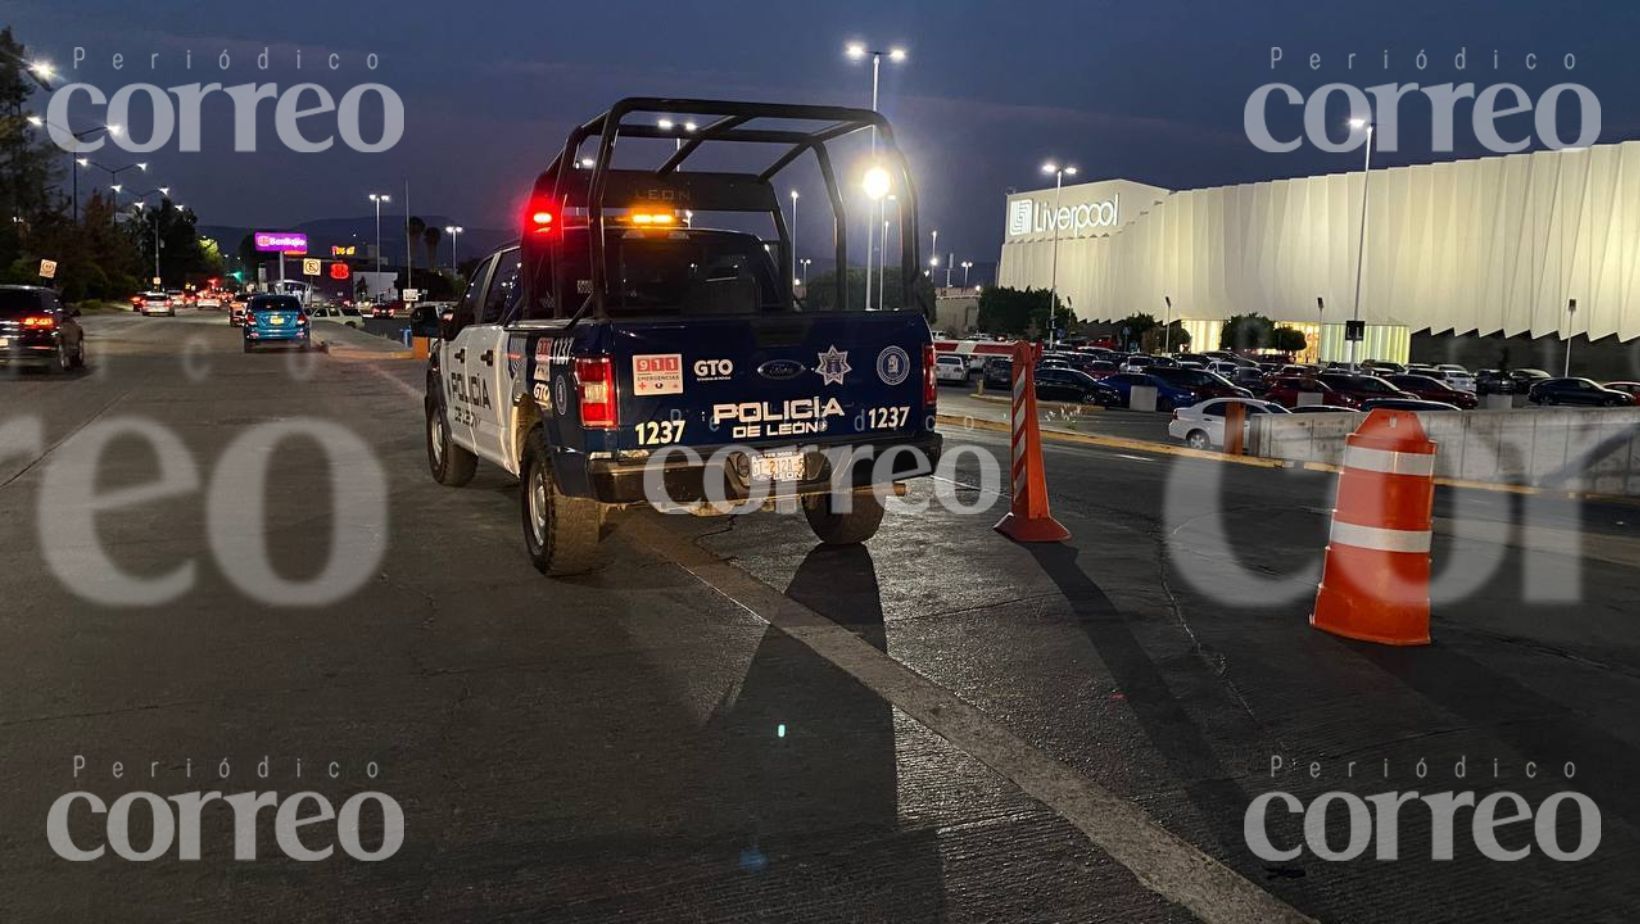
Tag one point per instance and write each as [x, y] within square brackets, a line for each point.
[834, 528]
[560, 532]
[452, 466]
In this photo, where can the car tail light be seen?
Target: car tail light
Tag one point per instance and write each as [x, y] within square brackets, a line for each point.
[39, 322]
[595, 382]
[931, 387]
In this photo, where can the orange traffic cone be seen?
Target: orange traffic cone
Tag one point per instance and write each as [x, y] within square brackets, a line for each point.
[1028, 520]
[1375, 580]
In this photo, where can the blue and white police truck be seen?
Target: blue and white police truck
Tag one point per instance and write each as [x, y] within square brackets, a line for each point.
[621, 353]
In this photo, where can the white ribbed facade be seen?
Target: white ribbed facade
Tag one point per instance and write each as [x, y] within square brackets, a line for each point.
[1498, 244]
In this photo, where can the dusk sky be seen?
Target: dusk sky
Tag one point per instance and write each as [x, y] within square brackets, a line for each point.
[1153, 92]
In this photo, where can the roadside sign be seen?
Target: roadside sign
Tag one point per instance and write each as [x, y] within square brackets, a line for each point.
[48, 269]
[310, 267]
[158, 281]
[340, 270]
[411, 295]
[1355, 330]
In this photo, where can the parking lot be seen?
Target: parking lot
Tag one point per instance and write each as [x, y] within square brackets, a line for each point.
[727, 720]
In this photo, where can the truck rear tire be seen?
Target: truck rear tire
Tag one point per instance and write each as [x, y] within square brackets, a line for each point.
[851, 528]
[561, 533]
[452, 466]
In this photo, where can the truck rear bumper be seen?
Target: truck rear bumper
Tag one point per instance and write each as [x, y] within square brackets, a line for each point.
[716, 473]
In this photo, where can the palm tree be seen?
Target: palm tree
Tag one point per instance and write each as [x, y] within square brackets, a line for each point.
[432, 236]
[415, 226]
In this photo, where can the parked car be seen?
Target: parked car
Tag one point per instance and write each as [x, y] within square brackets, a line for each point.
[1321, 409]
[1430, 389]
[1361, 387]
[1101, 368]
[1251, 378]
[1201, 426]
[36, 330]
[1629, 388]
[1406, 404]
[1510, 382]
[998, 372]
[1457, 376]
[1061, 383]
[1384, 367]
[348, 316]
[1168, 394]
[951, 367]
[1201, 383]
[1584, 392]
[1286, 389]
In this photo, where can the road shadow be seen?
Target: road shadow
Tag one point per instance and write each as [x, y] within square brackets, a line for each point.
[1175, 736]
[810, 754]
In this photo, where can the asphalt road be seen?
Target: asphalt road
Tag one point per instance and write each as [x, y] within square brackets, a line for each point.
[728, 722]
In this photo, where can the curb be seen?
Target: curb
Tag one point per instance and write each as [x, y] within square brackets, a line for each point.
[1081, 409]
[341, 351]
[1119, 442]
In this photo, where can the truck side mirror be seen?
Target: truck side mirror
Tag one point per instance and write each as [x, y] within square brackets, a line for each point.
[448, 326]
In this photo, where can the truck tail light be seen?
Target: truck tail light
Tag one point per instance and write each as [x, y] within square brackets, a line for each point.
[595, 383]
[931, 387]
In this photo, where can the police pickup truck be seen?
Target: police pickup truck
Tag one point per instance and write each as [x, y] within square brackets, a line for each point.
[621, 353]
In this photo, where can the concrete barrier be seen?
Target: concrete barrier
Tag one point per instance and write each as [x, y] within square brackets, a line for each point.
[1588, 450]
[1142, 398]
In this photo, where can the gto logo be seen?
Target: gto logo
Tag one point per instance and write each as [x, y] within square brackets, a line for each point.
[713, 370]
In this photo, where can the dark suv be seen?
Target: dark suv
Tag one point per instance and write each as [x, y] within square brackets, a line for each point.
[35, 329]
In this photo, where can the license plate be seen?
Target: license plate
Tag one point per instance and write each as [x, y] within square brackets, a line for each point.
[279, 321]
[786, 466]
[5, 342]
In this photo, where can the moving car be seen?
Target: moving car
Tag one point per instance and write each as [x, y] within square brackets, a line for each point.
[949, 367]
[346, 315]
[209, 299]
[157, 302]
[236, 310]
[1628, 388]
[36, 330]
[617, 356]
[276, 319]
[1575, 391]
[1201, 426]
[1430, 389]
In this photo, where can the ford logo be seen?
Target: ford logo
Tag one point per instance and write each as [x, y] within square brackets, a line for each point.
[781, 369]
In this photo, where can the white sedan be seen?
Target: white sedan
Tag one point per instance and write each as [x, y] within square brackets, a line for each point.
[951, 367]
[1201, 426]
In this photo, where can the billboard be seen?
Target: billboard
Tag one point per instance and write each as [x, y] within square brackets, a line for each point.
[288, 242]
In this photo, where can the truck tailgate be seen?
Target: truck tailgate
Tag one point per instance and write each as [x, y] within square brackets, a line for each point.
[770, 380]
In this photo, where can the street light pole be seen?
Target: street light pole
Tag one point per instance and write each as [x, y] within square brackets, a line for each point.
[794, 237]
[1167, 325]
[950, 264]
[856, 51]
[379, 198]
[453, 230]
[1571, 313]
[966, 266]
[1053, 277]
[806, 261]
[1361, 245]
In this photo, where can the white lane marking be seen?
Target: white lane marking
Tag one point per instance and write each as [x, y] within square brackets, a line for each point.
[1164, 863]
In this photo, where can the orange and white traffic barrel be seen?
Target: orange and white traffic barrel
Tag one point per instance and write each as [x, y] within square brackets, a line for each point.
[1375, 579]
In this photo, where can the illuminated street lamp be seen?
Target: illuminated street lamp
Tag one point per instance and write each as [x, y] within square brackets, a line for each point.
[966, 266]
[858, 51]
[377, 198]
[805, 261]
[453, 230]
[1059, 174]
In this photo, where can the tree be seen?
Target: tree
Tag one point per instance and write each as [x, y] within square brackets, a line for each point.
[414, 228]
[1172, 337]
[1246, 332]
[1133, 328]
[432, 235]
[27, 164]
[1011, 312]
[1289, 340]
